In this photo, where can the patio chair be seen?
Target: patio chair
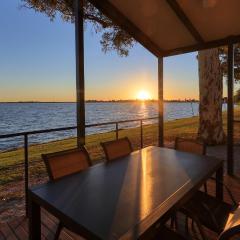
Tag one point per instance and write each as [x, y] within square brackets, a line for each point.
[231, 230]
[203, 208]
[209, 211]
[64, 163]
[191, 146]
[117, 148]
[166, 233]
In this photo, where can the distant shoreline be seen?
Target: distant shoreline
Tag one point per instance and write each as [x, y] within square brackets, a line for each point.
[109, 101]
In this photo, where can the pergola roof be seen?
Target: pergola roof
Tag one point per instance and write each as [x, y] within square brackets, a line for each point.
[170, 27]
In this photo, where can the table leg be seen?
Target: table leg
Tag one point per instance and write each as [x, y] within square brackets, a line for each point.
[34, 220]
[219, 186]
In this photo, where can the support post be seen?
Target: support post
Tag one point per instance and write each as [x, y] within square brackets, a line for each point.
[34, 223]
[219, 186]
[160, 103]
[230, 164]
[141, 133]
[116, 131]
[79, 39]
[26, 166]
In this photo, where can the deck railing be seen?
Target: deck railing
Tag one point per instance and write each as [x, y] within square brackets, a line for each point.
[26, 135]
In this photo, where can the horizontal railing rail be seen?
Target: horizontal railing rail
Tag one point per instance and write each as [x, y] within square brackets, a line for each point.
[19, 134]
[26, 134]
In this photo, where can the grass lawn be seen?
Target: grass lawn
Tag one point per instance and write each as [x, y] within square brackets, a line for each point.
[11, 162]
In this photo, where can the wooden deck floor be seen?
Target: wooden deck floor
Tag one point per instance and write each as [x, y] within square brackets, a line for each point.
[18, 229]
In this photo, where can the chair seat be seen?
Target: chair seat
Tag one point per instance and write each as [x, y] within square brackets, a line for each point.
[168, 234]
[201, 204]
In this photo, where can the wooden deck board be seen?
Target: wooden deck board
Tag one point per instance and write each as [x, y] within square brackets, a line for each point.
[1, 236]
[7, 232]
[18, 229]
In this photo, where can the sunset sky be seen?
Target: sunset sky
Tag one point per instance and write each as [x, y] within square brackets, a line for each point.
[37, 63]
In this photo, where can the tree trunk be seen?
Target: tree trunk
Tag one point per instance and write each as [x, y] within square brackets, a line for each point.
[210, 95]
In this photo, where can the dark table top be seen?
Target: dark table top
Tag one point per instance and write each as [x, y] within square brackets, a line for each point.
[123, 198]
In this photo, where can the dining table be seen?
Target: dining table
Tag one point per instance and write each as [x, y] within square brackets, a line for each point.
[124, 198]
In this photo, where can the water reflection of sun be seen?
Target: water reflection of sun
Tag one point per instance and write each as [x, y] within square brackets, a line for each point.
[143, 95]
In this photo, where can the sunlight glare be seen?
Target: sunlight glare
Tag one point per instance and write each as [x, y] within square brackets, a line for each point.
[143, 95]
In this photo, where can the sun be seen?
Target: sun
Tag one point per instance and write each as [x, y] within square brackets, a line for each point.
[143, 95]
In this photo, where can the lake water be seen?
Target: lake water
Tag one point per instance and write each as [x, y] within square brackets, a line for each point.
[20, 117]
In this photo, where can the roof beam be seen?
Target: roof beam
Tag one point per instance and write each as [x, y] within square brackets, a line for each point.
[118, 18]
[203, 46]
[185, 20]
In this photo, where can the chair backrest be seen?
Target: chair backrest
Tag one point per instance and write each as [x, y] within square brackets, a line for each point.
[232, 227]
[189, 145]
[63, 163]
[117, 148]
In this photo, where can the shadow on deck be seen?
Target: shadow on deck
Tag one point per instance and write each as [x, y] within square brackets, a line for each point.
[18, 229]
[220, 152]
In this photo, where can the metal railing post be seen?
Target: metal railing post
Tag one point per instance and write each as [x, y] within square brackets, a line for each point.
[117, 131]
[141, 132]
[26, 171]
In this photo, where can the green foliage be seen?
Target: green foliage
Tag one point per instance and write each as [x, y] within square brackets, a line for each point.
[237, 96]
[113, 37]
[223, 53]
